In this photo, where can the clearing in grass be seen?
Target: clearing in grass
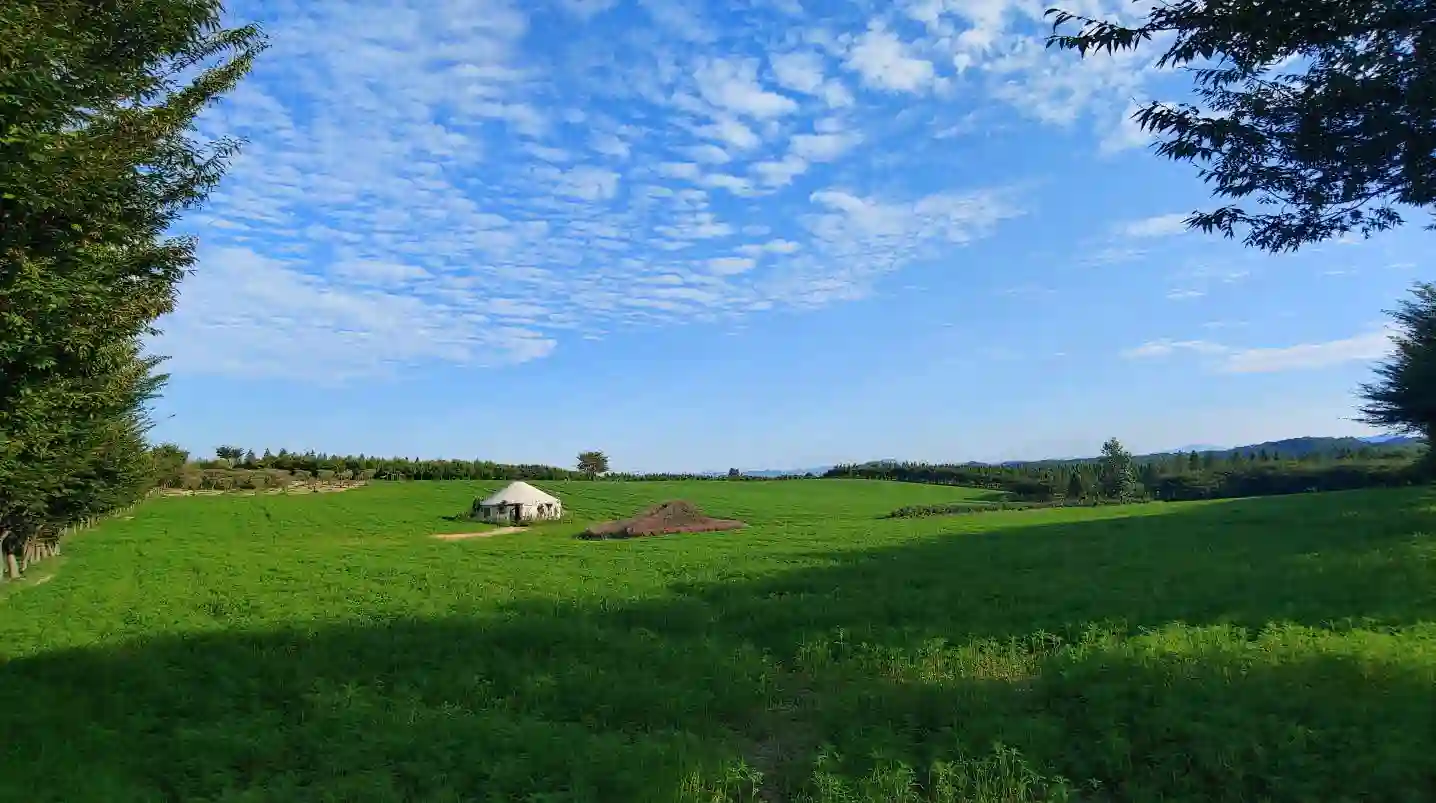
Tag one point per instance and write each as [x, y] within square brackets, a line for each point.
[327, 648]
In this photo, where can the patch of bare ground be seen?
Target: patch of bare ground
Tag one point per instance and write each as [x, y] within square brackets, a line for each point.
[484, 534]
[675, 516]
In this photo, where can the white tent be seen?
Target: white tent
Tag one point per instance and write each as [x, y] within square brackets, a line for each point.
[518, 503]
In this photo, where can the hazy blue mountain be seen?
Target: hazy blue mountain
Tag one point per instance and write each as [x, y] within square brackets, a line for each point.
[1392, 440]
[1199, 447]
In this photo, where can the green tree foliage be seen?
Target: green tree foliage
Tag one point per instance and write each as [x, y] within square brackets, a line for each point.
[1076, 488]
[169, 461]
[592, 463]
[1116, 474]
[231, 453]
[97, 162]
[1403, 397]
[1321, 111]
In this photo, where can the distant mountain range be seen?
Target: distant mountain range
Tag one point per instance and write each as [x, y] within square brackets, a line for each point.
[1391, 439]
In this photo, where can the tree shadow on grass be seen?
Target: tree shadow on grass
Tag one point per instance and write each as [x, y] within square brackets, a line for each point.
[853, 681]
[1323, 560]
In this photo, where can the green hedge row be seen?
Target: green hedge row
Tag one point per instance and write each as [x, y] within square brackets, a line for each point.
[956, 508]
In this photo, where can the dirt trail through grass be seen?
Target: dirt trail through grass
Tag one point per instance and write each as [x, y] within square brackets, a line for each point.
[484, 534]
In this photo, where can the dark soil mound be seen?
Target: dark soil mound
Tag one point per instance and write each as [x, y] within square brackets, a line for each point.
[676, 516]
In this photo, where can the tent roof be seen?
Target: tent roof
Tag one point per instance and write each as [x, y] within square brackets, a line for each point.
[519, 493]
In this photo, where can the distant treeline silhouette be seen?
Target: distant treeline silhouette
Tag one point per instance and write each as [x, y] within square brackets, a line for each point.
[1174, 477]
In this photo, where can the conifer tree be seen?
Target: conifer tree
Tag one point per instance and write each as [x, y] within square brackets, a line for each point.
[98, 159]
[1403, 397]
[1117, 477]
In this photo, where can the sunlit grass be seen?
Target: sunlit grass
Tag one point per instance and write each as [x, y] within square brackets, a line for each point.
[327, 648]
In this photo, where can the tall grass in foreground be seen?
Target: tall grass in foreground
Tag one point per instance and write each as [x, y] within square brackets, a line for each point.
[326, 648]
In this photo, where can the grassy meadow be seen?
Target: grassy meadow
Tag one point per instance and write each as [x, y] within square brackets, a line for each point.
[326, 648]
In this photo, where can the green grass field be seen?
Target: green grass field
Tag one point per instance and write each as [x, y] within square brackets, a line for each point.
[325, 648]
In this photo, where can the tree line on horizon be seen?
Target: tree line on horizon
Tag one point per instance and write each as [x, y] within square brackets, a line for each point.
[1171, 477]
[239, 467]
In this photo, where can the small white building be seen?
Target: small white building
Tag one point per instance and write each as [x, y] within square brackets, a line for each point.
[518, 503]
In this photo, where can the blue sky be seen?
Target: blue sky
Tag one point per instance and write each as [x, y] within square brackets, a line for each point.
[771, 233]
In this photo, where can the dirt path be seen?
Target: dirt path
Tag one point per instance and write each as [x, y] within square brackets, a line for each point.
[485, 534]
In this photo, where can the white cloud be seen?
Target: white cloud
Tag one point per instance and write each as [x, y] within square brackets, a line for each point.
[588, 183]
[546, 153]
[250, 315]
[688, 170]
[380, 273]
[884, 62]
[1051, 86]
[424, 184]
[837, 96]
[1163, 348]
[800, 71]
[732, 132]
[1157, 226]
[728, 266]
[586, 9]
[707, 154]
[1124, 134]
[771, 247]
[611, 145]
[1185, 294]
[734, 184]
[732, 85]
[681, 18]
[857, 238]
[781, 172]
[823, 147]
[1369, 346]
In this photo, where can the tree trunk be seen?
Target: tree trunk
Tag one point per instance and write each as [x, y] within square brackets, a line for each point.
[12, 567]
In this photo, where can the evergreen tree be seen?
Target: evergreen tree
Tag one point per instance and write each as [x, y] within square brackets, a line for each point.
[1403, 397]
[1076, 489]
[1116, 477]
[97, 162]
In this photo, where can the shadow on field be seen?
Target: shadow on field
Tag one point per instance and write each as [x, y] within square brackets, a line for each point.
[828, 680]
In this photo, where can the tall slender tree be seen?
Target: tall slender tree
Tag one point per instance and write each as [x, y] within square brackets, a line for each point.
[1116, 474]
[98, 159]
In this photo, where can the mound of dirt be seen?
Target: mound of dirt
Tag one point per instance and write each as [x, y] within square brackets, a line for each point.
[675, 516]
